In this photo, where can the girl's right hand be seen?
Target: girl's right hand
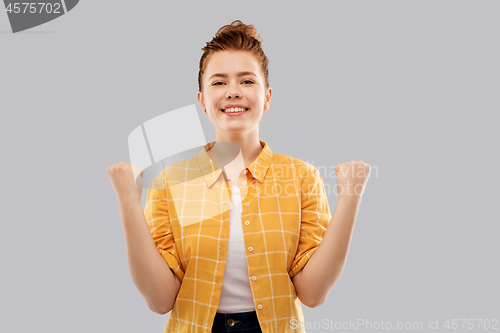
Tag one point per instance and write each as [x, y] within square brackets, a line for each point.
[123, 177]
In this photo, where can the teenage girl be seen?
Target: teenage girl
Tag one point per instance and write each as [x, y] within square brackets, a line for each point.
[223, 243]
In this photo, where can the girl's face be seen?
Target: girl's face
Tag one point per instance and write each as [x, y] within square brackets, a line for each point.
[234, 78]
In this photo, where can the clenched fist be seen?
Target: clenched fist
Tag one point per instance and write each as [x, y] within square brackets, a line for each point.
[351, 179]
[123, 179]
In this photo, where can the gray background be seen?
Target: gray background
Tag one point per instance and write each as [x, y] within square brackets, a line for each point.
[410, 87]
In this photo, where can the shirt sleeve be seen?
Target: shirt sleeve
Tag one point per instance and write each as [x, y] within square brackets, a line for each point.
[315, 217]
[157, 217]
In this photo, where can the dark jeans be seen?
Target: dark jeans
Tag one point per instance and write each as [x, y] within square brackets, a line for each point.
[241, 322]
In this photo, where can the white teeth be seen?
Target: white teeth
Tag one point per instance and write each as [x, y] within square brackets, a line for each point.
[234, 110]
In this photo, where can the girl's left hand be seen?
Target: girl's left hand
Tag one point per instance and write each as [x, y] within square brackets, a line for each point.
[351, 179]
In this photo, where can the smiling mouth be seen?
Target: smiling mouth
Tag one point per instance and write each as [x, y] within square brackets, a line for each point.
[234, 110]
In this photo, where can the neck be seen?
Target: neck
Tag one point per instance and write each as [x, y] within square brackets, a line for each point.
[249, 145]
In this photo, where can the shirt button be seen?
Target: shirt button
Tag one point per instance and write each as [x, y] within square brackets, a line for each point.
[259, 306]
[247, 222]
[250, 248]
[244, 183]
[245, 172]
[247, 204]
[254, 278]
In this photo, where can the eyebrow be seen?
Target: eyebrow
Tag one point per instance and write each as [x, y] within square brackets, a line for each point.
[239, 74]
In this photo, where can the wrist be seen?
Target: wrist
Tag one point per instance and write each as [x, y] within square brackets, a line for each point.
[350, 199]
[128, 200]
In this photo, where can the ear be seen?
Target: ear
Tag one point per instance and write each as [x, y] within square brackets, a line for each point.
[201, 102]
[267, 99]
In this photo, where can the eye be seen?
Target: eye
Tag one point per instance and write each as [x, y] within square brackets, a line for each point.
[217, 83]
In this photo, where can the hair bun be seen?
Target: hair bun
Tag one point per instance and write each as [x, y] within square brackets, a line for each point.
[237, 25]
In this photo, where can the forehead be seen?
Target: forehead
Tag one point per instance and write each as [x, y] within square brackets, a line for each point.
[231, 62]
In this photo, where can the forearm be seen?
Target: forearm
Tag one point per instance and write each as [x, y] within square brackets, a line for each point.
[324, 268]
[153, 278]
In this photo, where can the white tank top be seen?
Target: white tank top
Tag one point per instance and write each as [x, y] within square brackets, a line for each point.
[236, 295]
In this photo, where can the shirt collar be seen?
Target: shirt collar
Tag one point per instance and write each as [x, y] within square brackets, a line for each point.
[211, 172]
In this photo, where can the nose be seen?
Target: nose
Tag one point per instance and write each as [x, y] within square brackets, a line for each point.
[233, 91]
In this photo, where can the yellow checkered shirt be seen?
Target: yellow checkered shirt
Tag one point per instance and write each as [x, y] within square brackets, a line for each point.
[285, 216]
